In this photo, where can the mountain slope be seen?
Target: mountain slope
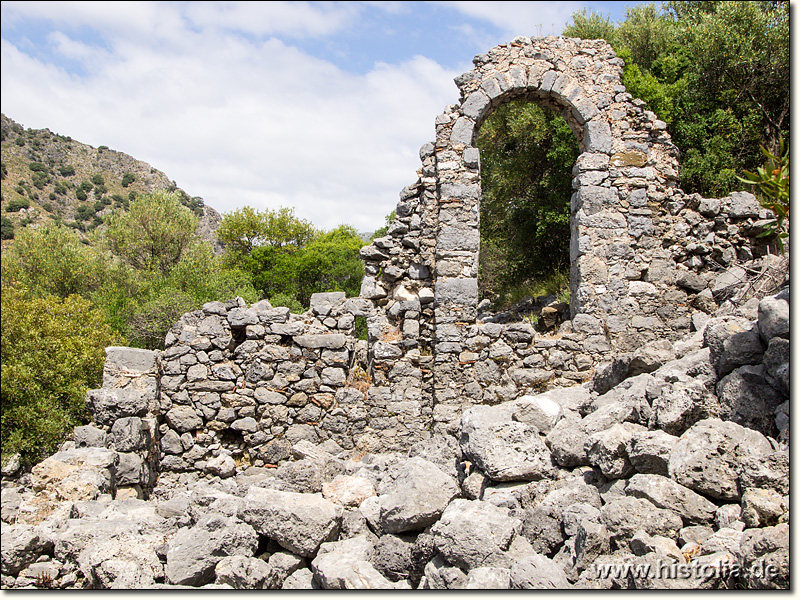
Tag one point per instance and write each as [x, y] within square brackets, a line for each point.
[47, 177]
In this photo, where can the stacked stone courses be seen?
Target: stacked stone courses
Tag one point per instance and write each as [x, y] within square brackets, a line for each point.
[240, 385]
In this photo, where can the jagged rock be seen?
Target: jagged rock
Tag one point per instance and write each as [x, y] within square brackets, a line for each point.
[302, 579]
[439, 575]
[648, 451]
[746, 398]
[193, 553]
[22, 545]
[348, 490]
[543, 530]
[345, 565]
[473, 533]
[642, 543]
[666, 493]
[488, 578]
[393, 557]
[537, 572]
[503, 450]
[773, 317]
[680, 405]
[761, 508]
[767, 549]
[650, 357]
[124, 563]
[608, 450]
[733, 342]
[243, 573]
[574, 514]
[706, 459]
[776, 365]
[281, 566]
[538, 411]
[441, 450]
[770, 471]
[625, 516]
[415, 497]
[591, 541]
[727, 514]
[78, 474]
[298, 522]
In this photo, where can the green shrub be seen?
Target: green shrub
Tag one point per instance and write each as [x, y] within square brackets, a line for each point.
[37, 167]
[47, 206]
[97, 179]
[80, 194]
[99, 190]
[20, 141]
[86, 186]
[152, 320]
[17, 204]
[67, 170]
[40, 180]
[53, 352]
[6, 229]
[127, 179]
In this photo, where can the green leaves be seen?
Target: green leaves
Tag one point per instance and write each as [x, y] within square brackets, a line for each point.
[772, 182]
[153, 233]
[245, 229]
[53, 351]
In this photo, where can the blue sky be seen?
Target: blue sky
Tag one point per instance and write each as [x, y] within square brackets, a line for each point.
[321, 106]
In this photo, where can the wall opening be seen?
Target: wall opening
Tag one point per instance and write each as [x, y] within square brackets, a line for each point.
[527, 155]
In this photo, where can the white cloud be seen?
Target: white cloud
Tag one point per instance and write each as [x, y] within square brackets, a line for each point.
[238, 121]
[520, 18]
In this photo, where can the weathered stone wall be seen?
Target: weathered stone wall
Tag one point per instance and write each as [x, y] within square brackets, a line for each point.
[645, 256]
[242, 384]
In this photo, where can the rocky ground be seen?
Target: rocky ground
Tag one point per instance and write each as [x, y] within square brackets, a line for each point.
[670, 470]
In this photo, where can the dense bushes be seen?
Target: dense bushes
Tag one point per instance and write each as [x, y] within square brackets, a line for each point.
[53, 351]
[287, 259]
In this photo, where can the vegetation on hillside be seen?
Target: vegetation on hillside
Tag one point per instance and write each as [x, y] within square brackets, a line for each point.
[51, 178]
[716, 72]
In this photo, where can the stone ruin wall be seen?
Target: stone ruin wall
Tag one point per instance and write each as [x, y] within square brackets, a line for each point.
[648, 261]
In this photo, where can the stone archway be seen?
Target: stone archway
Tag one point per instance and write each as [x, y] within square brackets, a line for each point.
[643, 253]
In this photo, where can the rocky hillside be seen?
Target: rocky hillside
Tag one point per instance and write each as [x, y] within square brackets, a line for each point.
[669, 469]
[47, 177]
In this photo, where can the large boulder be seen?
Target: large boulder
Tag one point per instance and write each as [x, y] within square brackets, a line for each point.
[345, 566]
[413, 495]
[298, 522]
[193, 553]
[764, 554]
[746, 398]
[22, 545]
[707, 459]
[77, 474]
[623, 517]
[666, 493]
[473, 533]
[503, 449]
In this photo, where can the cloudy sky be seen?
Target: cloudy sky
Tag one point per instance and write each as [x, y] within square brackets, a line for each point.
[320, 106]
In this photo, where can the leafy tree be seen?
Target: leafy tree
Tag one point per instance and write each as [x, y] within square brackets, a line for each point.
[716, 72]
[52, 260]
[153, 233]
[97, 179]
[67, 170]
[245, 229]
[53, 351]
[127, 179]
[527, 154]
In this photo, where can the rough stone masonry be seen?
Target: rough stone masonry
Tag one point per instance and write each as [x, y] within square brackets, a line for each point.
[449, 450]
[648, 262]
